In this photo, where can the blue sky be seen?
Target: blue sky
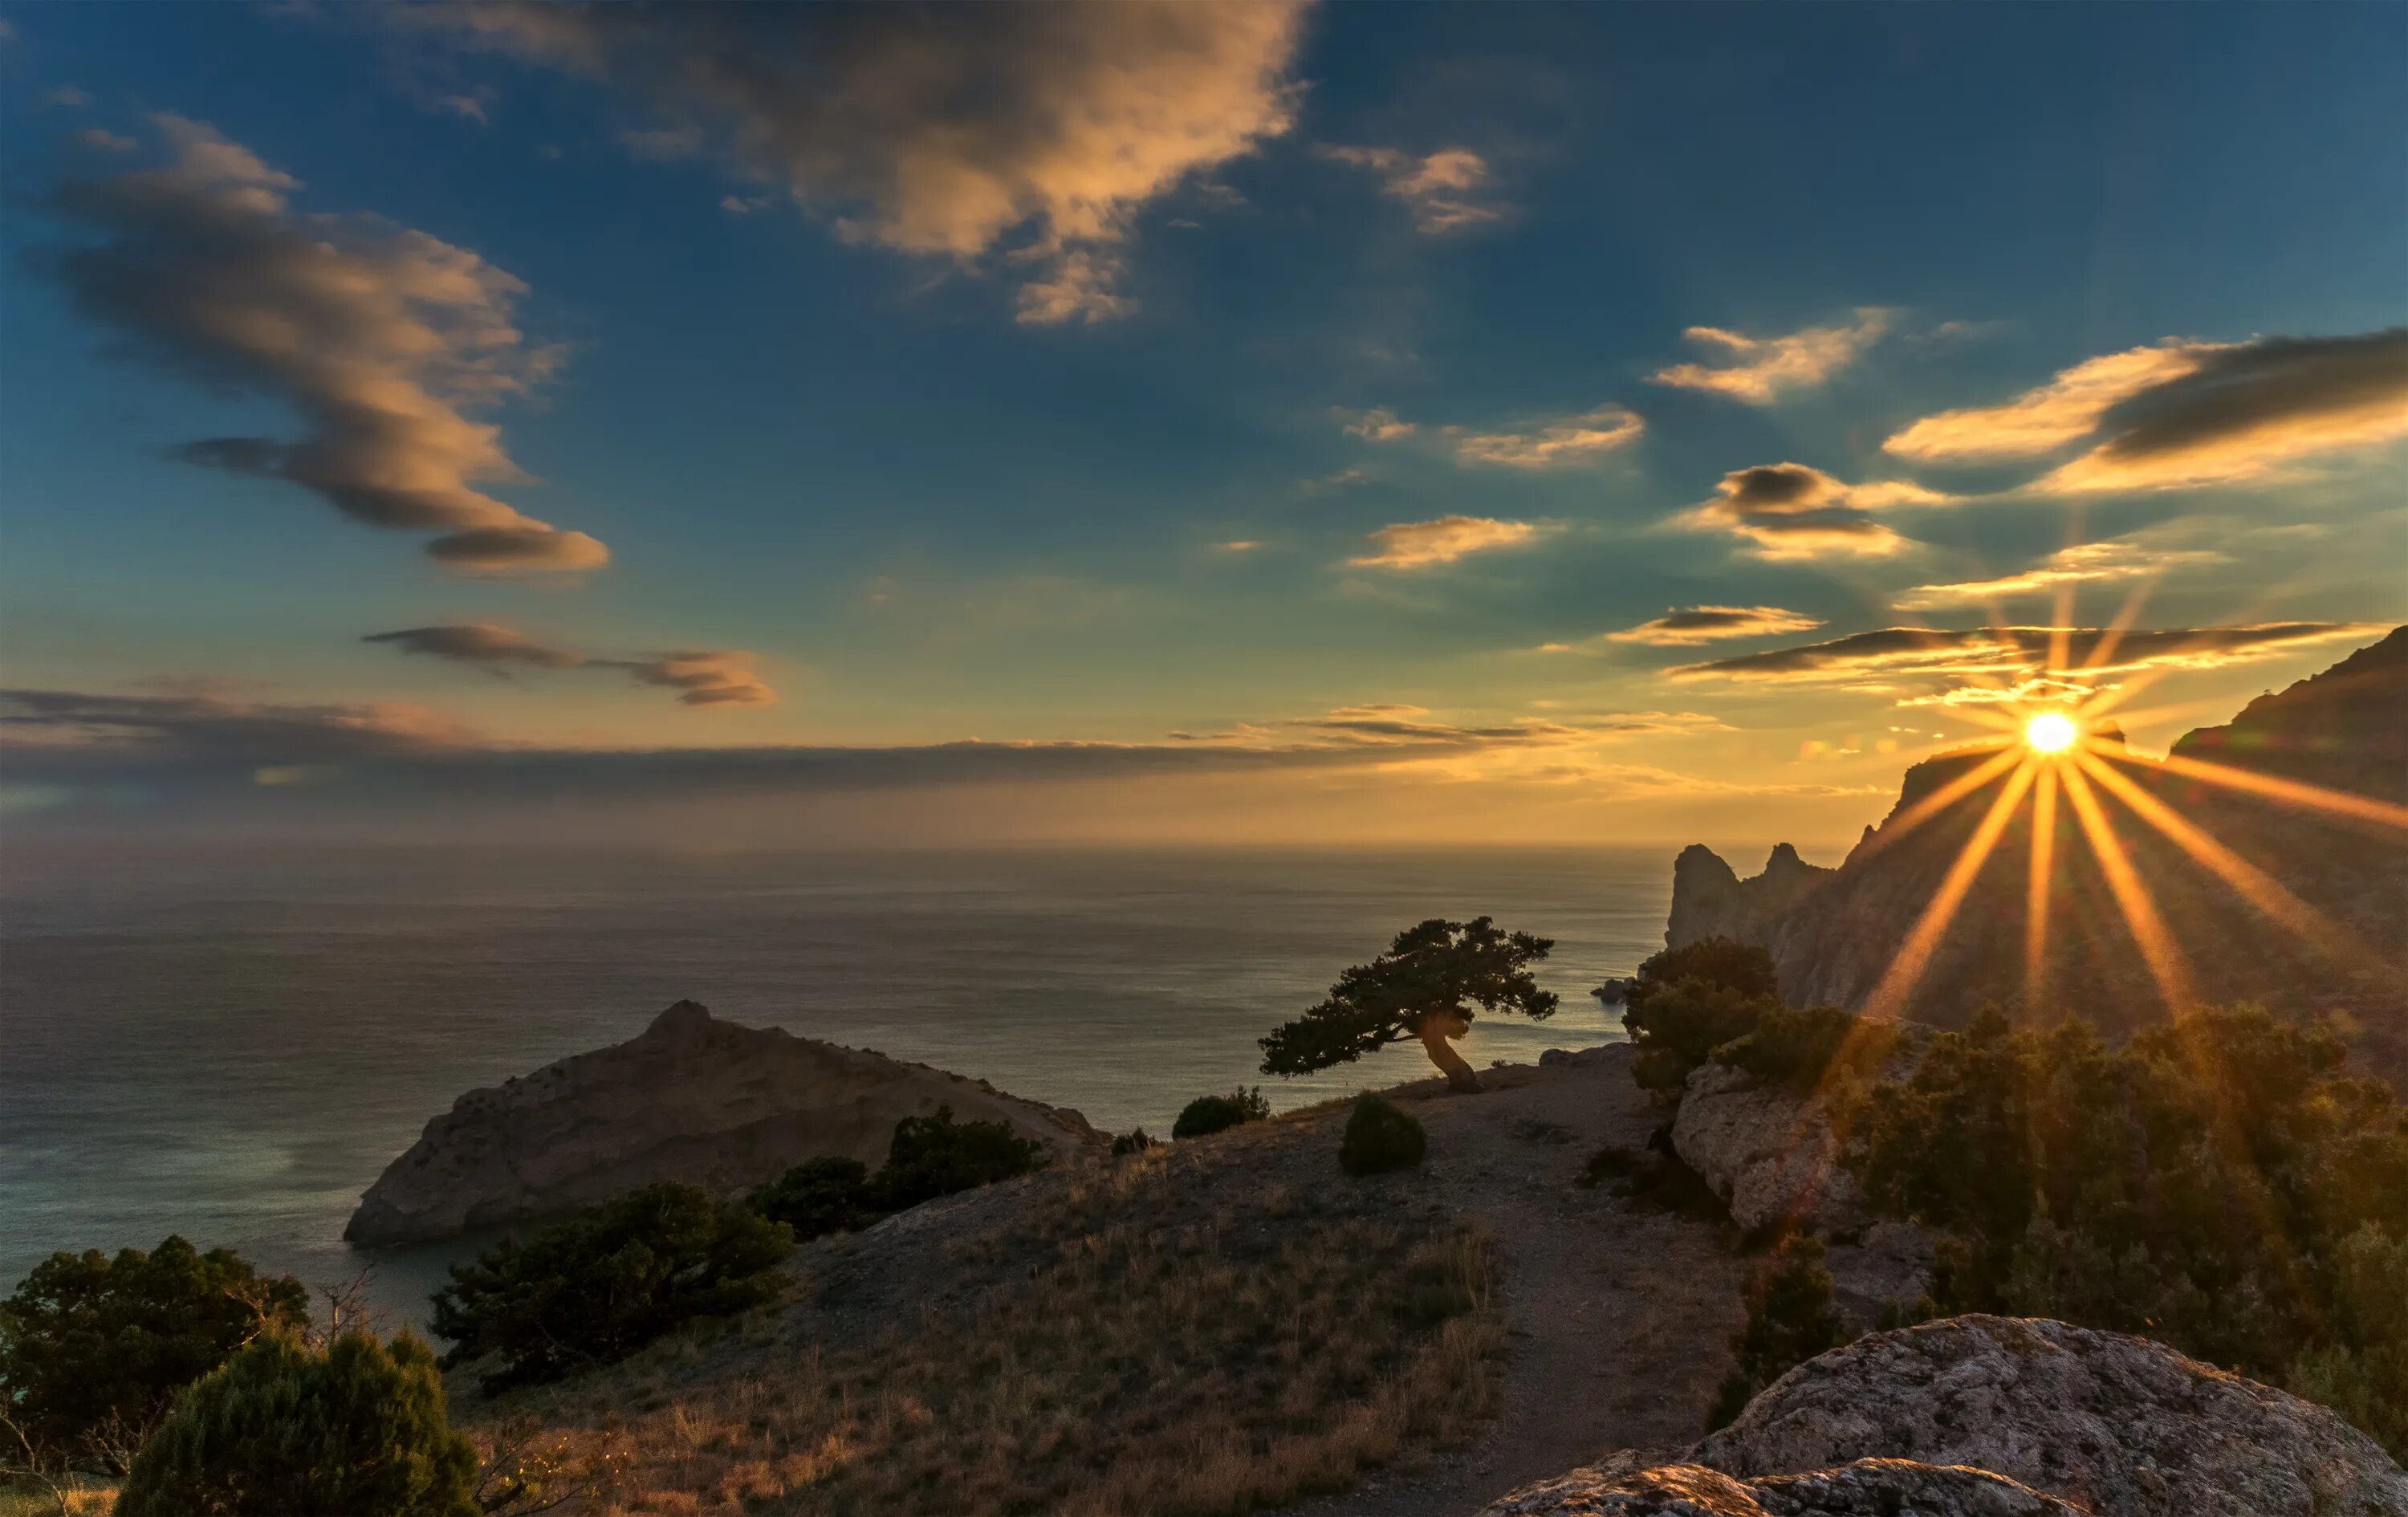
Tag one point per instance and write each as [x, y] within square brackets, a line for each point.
[794, 364]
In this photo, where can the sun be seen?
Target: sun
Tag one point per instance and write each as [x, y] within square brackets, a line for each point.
[2051, 731]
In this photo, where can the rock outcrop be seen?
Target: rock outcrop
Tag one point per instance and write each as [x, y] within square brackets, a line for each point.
[692, 1098]
[2124, 1426]
[1867, 1488]
[1995, 1416]
[1833, 934]
[1767, 1150]
[1711, 900]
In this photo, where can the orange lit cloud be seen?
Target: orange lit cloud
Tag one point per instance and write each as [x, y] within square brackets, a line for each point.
[1760, 369]
[1791, 511]
[1378, 425]
[1714, 624]
[1417, 545]
[2092, 563]
[1036, 132]
[1550, 442]
[702, 677]
[1443, 189]
[2188, 413]
[380, 337]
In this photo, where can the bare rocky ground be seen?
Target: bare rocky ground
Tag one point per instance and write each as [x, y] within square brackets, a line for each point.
[1620, 1316]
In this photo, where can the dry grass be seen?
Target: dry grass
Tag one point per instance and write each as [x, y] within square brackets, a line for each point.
[21, 1497]
[1138, 1348]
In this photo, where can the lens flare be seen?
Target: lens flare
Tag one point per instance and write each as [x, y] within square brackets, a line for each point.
[2051, 731]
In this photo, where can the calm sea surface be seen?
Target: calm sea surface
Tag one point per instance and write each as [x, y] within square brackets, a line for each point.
[232, 1046]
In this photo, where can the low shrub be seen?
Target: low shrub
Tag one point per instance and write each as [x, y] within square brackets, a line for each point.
[934, 1155]
[819, 1197]
[602, 1284]
[1136, 1140]
[93, 1348]
[1789, 1320]
[1381, 1136]
[357, 1427]
[1799, 1046]
[1208, 1114]
[2221, 1184]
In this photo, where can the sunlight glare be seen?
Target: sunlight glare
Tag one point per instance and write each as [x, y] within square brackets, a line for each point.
[2051, 731]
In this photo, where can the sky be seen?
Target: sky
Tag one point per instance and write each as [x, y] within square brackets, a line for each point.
[1233, 423]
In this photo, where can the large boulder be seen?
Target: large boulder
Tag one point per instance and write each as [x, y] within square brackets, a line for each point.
[692, 1098]
[1866, 1488]
[2124, 1426]
[1768, 1149]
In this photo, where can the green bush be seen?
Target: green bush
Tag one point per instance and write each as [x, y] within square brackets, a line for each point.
[2220, 1183]
[1798, 1047]
[1136, 1140]
[1677, 1027]
[602, 1284]
[934, 1155]
[281, 1427]
[92, 1345]
[818, 1196]
[1789, 1320]
[1208, 1114]
[1381, 1136]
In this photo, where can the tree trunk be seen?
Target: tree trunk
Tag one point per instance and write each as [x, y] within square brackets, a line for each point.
[1434, 1031]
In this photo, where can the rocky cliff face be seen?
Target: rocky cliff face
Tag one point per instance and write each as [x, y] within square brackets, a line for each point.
[1996, 1415]
[692, 1098]
[1834, 933]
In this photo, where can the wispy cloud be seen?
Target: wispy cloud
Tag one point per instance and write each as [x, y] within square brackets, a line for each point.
[1759, 370]
[1419, 544]
[1550, 442]
[1033, 132]
[1446, 191]
[1714, 623]
[2093, 563]
[1792, 511]
[381, 338]
[2187, 413]
[702, 677]
[1378, 425]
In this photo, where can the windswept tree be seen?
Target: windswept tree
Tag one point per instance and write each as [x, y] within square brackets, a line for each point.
[1423, 987]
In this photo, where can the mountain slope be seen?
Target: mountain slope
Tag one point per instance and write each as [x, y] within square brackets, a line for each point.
[1835, 937]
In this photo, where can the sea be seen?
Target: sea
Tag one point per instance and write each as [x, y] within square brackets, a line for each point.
[230, 1044]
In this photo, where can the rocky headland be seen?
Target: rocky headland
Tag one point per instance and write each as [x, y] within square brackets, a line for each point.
[691, 1098]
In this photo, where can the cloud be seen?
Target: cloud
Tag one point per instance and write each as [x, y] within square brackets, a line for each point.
[1378, 425]
[1388, 724]
[64, 97]
[208, 729]
[381, 338]
[1035, 131]
[2091, 562]
[1791, 511]
[1761, 369]
[703, 677]
[1714, 624]
[469, 107]
[1415, 545]
[1443, 189]
[2188, 413]
[1557, 442]
[2001, 657]
[100, 139]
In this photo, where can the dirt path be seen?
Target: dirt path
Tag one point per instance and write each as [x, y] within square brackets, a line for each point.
[1619, 1315]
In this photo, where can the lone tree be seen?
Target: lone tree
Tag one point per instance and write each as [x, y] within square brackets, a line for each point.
[1424, 987]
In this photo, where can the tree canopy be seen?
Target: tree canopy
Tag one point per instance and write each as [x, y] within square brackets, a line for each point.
[1423, 987]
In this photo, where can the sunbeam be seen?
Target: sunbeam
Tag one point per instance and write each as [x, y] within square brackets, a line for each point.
[1915, 952]
[2289, 791]
[2132, 897]
[2036, 896]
